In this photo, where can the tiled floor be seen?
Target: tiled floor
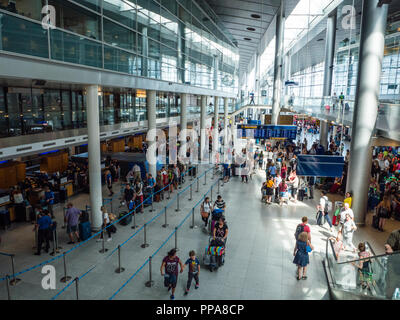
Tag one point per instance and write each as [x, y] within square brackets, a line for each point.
[258, 261]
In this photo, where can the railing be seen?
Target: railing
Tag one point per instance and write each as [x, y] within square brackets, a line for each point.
[374, 282]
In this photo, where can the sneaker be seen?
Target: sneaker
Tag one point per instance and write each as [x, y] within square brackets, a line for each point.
[172, 297]
[71, 242]
[196, 286]
[37, 253]
[186, 293]
[109, 239]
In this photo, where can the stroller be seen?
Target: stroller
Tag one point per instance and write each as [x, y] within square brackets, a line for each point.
[215, 215]
[214, 255]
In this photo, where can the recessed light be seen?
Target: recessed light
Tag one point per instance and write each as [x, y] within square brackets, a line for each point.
[255, 16]
[247, 39]
[321, 39]
[250, 29]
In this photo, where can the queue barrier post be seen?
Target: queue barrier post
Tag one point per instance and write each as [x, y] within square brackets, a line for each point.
[145, 244]
[197, 185]
[218, 186]
[149, 283]
[77, 288]
[177, 203]
[152, 200]
[8, 287]
[103, 248]
[165, 218]
[65, 278]
[64, 225]
[119, 269]
[211, 193]
[191, 193]
[176, 238]
[191, 173]
[169, 192]
[193, 226]
[15, 280]
[205, 178]
[134, 226]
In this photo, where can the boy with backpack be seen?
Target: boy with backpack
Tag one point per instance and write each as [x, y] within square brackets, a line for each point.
[324, 207]
[303, 227]
[194, 270]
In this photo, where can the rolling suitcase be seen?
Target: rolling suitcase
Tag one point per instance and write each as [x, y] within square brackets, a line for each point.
[125, 221]
[20, 213]
[85, 231]
[63, 195]
[375, 221]
[301, 194]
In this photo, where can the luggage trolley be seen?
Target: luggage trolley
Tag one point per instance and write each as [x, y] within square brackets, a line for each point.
[214, 255]
[215, 215]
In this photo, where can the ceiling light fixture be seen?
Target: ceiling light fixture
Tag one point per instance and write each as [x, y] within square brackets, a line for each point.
[250, 29]
[255, 16]
[247, 39]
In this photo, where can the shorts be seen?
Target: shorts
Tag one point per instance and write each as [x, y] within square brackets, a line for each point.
[170, 280]
[71, 229]
[283, 194]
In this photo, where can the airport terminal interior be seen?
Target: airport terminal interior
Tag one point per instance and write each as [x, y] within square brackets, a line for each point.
[199, 150]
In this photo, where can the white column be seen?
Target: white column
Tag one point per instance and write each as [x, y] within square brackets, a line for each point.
[183, 122]
[151, 124]
[95, 190]
[203, 111]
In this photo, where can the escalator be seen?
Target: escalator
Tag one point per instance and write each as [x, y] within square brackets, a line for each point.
[346, 282]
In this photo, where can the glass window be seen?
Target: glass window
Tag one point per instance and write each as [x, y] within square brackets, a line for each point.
[119, 60]
[122, 11]
[28, 8]
[91, 4]
[108, 110]
[170, 5]
[76, 19]
[22, 36]
[14, 114]
[74, 49]
[52, 109]
[3, 114]
[66, 114]
[119, 36]
[32, 109]
[78, 110]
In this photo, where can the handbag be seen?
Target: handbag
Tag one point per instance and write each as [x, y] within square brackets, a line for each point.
[204, 214]
[308, 249]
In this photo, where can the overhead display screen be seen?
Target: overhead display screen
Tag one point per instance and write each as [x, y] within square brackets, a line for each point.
[266, 132]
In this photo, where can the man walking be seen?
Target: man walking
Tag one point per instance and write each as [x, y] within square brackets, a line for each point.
[323, 210]
[72, 219]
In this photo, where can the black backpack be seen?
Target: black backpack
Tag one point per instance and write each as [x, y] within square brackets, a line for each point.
[299, 229]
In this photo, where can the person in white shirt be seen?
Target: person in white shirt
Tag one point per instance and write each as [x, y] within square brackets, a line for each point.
[346, 210]
[136, 170]
[130, 177]
[106, 223]
[348, 231]
[323, 212]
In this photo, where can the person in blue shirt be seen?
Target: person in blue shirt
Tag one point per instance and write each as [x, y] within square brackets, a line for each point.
[150, 183]
[49, 198]
[194, 270]
[272, 170]
[43, 226]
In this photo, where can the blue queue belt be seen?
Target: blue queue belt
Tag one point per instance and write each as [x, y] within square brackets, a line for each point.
[132, 236]
[162, 245]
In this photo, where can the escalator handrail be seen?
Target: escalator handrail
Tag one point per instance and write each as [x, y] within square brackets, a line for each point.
[374, 256]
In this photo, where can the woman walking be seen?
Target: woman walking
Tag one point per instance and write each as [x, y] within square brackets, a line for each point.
[300, 253]
[205, 211]
[384, 211]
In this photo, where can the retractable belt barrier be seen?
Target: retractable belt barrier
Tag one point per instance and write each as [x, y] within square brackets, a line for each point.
[144, 245]
[14, 275]
[150, 282]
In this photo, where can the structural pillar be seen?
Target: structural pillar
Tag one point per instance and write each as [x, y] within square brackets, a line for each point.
[323, 133]
[145, 49]
[257, 80]
[279, 37]
[93, 127]
[372, 43]
[203, 142]
[151, 124]
[183, 123]
[328, 72]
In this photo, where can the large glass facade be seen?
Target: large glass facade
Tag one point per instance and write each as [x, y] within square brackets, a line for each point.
[29, 110]
[170, 40]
